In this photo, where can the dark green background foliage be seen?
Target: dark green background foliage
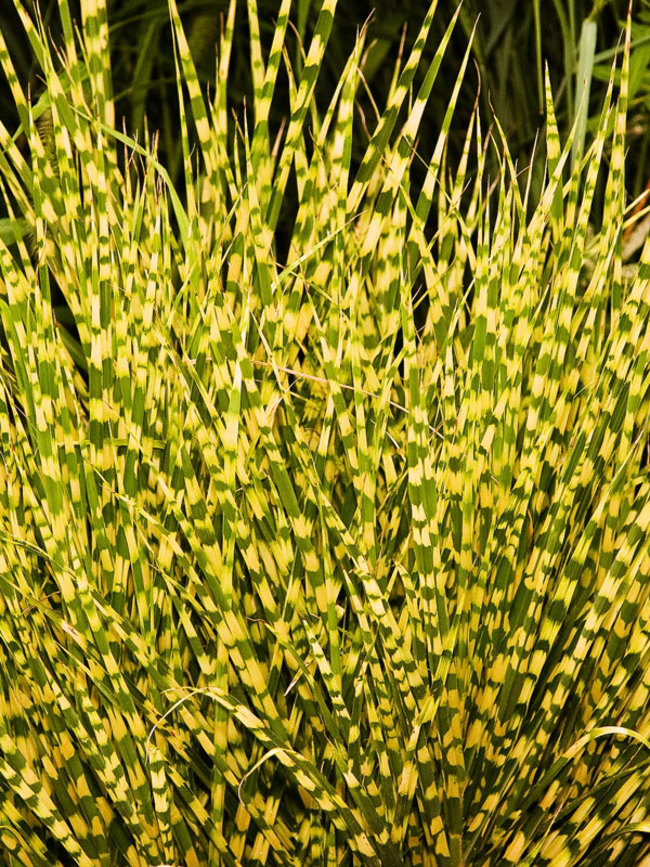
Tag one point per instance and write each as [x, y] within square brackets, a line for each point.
[514, 38]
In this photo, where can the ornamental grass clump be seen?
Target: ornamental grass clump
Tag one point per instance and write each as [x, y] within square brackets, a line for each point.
[334, 554]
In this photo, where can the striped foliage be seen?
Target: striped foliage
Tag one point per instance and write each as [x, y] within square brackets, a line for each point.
[327, 549]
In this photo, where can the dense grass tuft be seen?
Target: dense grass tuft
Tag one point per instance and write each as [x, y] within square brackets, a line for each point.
[321, 545]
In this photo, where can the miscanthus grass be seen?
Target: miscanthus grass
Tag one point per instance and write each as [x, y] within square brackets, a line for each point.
[341, 559]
